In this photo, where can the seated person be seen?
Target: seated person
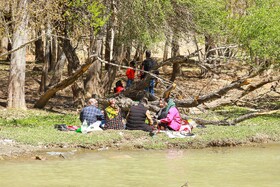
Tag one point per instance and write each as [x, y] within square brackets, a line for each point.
[173, 120]
[91, 114]
[119, 87]
[162, 111]
[137, 115]
[113, 118]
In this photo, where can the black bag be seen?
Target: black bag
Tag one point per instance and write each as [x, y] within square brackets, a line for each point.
[61, 127]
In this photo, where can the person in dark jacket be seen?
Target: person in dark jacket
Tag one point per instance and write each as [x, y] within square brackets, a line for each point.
[137, 116]
[148, 65]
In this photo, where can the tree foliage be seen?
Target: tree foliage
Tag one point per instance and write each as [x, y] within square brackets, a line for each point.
[141, 21]
[259, 29]
[209, 16]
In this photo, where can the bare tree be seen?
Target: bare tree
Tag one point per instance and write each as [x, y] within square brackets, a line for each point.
[16, 90]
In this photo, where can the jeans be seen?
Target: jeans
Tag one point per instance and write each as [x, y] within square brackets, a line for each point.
[150, 89]
[129, 83]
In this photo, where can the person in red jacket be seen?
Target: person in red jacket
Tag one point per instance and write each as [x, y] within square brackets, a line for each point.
[119, 87]
[130, 73]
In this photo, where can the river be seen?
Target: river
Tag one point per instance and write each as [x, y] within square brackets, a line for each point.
[218, 167]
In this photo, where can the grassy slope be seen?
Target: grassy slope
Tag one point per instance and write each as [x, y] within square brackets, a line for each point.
[36, 127]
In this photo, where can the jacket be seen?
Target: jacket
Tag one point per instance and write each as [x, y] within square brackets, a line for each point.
[136, 118]
[130, 73]
[173, 119]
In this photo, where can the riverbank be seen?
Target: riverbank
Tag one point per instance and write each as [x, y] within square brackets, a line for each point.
[24, 133]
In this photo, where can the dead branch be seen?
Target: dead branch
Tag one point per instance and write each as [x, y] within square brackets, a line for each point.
[63, 84]
[226, 122]
[167, 92]
[23, 45]
[215, 95]
[251, 87]
[237, 97]
[252, 115]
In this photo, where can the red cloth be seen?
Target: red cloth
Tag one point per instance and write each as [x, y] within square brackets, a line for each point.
[130, 73]
[119, 89]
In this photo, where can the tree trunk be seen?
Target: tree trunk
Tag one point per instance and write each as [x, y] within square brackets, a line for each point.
[110, 34]
[73, 65]
[109, 78]
[93, 82]
[8, 19]
[39, 50]
[138, 56]
[165, 54]
[47, 61]
[16, 91]
[127, 55]
[4, 45]
[175, 52]
[41, 103]
[109, 43]
[165, 51]
[58, 70]
[209, 45]
[54, 54]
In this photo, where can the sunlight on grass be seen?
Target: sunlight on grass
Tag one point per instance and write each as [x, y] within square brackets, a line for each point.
[36, 127]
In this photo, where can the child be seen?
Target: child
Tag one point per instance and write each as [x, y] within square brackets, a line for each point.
[130, 73]
[119, 87]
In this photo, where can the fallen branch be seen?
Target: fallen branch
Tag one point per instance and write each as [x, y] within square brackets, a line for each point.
[215, 95]
[237, 97]
[226, 122]
[41, 103]
[251, 87]
[252, 115]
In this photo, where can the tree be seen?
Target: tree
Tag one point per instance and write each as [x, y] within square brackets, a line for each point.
[16, 90]
[259, 30]
[73, 25]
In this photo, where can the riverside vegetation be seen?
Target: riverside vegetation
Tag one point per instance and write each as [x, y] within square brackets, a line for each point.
[36, 128]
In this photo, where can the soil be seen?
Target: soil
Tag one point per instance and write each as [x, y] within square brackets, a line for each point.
[11, 149]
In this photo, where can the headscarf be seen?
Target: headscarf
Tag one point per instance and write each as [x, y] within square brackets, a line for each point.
[170, 104]
[111, 112]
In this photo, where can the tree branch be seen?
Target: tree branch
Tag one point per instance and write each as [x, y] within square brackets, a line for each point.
[41, 103]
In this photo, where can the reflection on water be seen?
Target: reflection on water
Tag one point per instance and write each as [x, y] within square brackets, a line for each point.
[219, 167]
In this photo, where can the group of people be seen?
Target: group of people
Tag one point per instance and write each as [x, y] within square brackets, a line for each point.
[137, 118]
[147, 66]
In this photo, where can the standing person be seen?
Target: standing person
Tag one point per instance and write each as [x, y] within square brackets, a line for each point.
[130, 73]
[137, 115]
[91, 113]
[173, 119]
[113, 118]
[147, 65]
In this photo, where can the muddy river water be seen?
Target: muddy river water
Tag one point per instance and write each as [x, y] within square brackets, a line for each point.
[218, 167]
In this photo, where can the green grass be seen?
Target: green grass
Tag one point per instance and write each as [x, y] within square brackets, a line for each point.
[36, 127]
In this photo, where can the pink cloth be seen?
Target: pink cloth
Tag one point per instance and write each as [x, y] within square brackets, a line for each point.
[173, 119]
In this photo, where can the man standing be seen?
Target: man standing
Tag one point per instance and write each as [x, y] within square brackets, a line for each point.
[137, 116]
[91, 113]
[147, 65]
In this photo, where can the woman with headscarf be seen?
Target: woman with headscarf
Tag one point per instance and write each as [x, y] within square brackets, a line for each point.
[173, 120]
[113, 118]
